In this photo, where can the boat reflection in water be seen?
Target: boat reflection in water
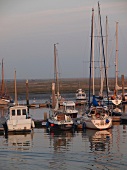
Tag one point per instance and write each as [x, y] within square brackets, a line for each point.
[60, 139]
[99, 140]
[20, 141]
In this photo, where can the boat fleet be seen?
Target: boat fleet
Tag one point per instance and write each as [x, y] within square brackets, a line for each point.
[63, 114]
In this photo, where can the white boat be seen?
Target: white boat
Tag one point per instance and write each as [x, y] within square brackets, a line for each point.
[116, 101]
[80, 94]
[19, 119]
[97, 118]
[111, 99]
[69, 108]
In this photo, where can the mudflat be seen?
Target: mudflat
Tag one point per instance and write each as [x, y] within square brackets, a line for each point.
[65, 85]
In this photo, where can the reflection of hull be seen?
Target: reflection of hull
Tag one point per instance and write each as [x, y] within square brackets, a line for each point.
[98, 139]
[22, 140]
[60, 138]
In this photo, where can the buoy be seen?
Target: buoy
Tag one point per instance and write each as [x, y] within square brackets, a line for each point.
[107, 121]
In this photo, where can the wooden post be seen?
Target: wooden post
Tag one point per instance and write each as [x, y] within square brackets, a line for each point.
[16, 100]
[27, 93]
[123, 97]
[45, 115]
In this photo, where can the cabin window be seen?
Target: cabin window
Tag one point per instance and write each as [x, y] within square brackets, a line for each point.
[18, 112]
[24, 111]
[13, 112]
[92, 112]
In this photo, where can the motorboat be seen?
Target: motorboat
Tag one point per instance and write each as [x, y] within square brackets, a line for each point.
[19, 119]
[80, 94]
[69, 108]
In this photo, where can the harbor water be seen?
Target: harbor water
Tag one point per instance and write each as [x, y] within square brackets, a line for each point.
[77, 150]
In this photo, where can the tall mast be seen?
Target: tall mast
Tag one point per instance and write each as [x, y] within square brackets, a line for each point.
[100, 48]
[106, 49]
[93, 49]
[91, 55]
[103, 50]
[56, 69]
[116, 60]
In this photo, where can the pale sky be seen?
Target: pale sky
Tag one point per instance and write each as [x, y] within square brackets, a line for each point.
[30, 28]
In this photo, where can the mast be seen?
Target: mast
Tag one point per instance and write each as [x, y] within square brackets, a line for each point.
[103, 50]
[91, 55]
[106, 50]
[116, 59]
[56, 70]
[100, 48]
[93, 49]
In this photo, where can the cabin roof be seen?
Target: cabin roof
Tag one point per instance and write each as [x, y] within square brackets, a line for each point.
[68, 103]
[18, 107]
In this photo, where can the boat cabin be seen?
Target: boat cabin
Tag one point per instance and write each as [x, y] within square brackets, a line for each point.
[98, 111]
[18, 112]
[69, 105]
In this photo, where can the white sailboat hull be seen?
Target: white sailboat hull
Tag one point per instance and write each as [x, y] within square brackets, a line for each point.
[99, 124]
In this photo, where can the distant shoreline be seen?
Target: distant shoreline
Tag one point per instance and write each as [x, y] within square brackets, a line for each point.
[68, 85]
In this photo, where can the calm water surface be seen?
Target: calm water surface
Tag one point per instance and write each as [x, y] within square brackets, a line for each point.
[68, 150]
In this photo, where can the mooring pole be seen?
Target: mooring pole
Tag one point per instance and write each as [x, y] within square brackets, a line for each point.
[27, 93]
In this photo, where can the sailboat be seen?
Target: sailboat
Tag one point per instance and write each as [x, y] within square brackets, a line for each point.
[5, 99]
[19, 119]
[58, 119]
[97, 116]
[114, 98]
